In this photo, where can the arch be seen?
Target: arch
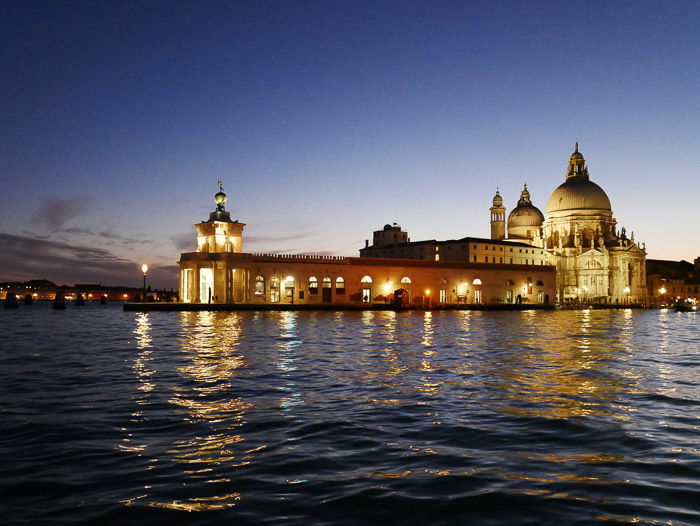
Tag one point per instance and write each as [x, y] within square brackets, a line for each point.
[540, 283]
[406, 280]
[476, 281]
[313, 285]
[510, 283]
[326, 283]
[366, 279]
[340, 285]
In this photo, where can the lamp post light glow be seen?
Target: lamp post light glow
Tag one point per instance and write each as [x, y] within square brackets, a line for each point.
[627, 295]
[144, 269]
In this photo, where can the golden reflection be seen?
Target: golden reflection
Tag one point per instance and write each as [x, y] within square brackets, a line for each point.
[143, 331]
[564, 370]
[209, 362]
[427, 329]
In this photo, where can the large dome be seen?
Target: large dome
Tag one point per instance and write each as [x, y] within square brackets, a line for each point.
[578, 192]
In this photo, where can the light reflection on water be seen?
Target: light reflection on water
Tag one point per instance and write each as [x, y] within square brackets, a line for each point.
[290, 414]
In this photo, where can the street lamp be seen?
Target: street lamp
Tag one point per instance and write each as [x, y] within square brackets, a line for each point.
[662, 291]
[627, 295]
[144, 269]
[427, 292]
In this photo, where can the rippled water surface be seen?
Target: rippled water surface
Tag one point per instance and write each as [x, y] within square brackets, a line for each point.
[574, 417]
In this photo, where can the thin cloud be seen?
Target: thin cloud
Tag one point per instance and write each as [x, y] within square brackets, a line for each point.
[55, 212]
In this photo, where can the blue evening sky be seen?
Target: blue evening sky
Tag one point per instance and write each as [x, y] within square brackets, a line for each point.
[325, 120]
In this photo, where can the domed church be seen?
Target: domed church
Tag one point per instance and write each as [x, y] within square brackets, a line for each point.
[595, 262]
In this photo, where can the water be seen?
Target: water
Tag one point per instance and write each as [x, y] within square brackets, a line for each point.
[576, 417]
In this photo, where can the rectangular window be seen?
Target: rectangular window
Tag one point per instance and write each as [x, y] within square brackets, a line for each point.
[443, 296]
[477, 296]
[540, 296]
[366, 295]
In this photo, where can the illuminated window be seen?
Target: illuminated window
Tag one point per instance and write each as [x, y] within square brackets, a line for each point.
[437, 257]
[339, 286]
[406, 280]
[274, 289]
[259, 286]
[326, 283]
[366, 279]
[313, 285]
[289, 287]
[476, 281]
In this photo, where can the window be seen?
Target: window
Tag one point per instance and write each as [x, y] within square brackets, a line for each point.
[366, 295]
[477, 296]
[474, 258]
[511, 261]
[443, 296]
[259, 286]
[366, 279]
[540, 283]
[326, 283]
[313, 285]
[476, 281]
[405, 280]
[437, 257]
[540, 296]
[289, 287]
[339, 286]
[274, 289]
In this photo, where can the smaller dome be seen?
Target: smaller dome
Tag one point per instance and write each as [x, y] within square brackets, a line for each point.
[525, 218]
[387, 227]
[497, 199]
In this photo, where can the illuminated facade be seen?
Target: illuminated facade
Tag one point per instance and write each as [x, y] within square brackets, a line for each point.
[220, 272]
[595, 262]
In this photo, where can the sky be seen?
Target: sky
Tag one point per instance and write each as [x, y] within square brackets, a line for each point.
[326, 120]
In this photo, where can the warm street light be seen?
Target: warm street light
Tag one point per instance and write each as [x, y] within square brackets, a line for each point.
[627, 295]
[144, 269]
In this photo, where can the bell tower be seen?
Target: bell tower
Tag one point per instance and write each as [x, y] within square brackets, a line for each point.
[498, 218]
[220, 233]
